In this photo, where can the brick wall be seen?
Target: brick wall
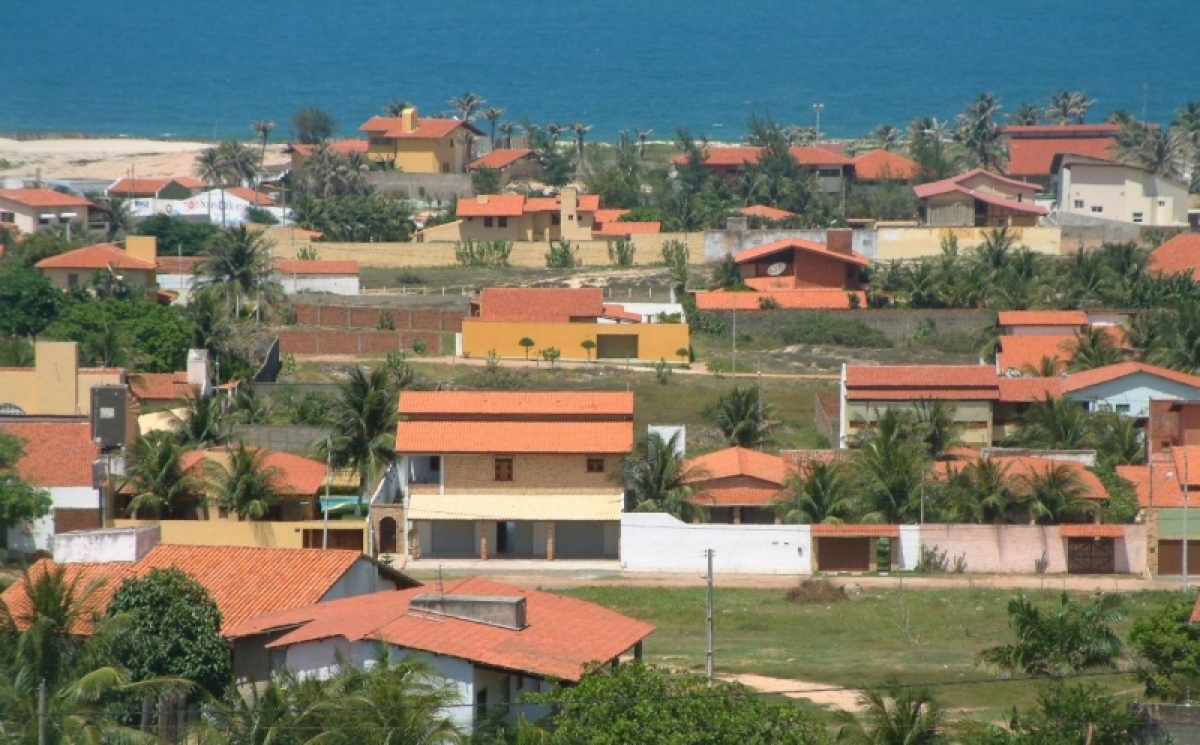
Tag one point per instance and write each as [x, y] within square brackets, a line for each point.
[367, 317]
[894, 322]
[67, 520]
[531, 473]
[339, 341]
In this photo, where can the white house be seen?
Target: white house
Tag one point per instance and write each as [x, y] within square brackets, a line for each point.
[34, 210]
[58, 457]
[332, 277]
[1128, 388]
[221, 207]
[1109, 190]
[492, 642]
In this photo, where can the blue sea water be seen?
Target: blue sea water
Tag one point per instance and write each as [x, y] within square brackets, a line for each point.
[207, 68]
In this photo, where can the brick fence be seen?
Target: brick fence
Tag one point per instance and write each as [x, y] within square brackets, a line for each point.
[367, 317]
[350, 341]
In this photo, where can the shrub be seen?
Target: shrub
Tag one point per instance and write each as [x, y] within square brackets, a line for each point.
[550, 354]
[815, 591]
[932, 561]
[386, 322]
[561, 255]
[823, 328]
[855, 303]
[307, 253]
[260, 216]
[409, 278]
[662, 372]
[486, 254]
[419, 346]
[621, 252]
[485, 181]
[768, 303]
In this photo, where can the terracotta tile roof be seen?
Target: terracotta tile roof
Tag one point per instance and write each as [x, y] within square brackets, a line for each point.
[500, 158]
[294, 474]
[315, 267]
[139, 186]
[43, 198]
[736, 496]
[99, 256]
[99, 581]
[542, 204]
[540, 304]
[56, 453]
[1028, 390]
[1035, 157]
[251, 196]
[625, 229]
[819, 156]
[561, 637]
[514, 437]
[427, 127]
[737, 461]
[939, 188]
[881, 164]
[920, 376]
[740, 155]
[812, 299]
[1027, 466]
[855, 531]
[1060, 130]
[1089, 378]
[619, 312]
[798, 246]
[1091, 530]
[189, 182]
[1027, 350]
[603, 216]
[765, 212]
[1179, 254]
[177, 264]
[172, 386]
[1167, 491]
[492, 205]
[1183, 457]
[954, 183]
[508, 404]
[1042, 318]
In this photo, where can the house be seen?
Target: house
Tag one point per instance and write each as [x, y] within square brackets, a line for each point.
[795, 273]
[509, 475]
[134, 265]
[155, 188]
[55, 385]
[1180, 254]
[1109, 190]
[491, 642]
[35, 210]
[413, 144]
[765, 213]
[978, 198]
[228, 206]
[293, 521]
[58, 457]
[875, 166]
[156, 391]
[1029, 337]
[1033, 149]
[1127, 388]
[831, 169]
[738, 486]
[245, 583]
[301, 153]
[566, 320]
[330, 277]
[508, 163]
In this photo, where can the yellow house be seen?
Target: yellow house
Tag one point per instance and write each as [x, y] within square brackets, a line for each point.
[413, 144]
[135, 265]
[55, 385]
[564, 319]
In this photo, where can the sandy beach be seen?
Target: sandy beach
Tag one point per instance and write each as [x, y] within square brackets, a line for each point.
[111, 158]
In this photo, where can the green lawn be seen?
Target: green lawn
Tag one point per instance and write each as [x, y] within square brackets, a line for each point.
[924, 636]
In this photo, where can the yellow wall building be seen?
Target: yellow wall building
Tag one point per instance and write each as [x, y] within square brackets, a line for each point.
[413, 144]
[134, 265]
[55, 385]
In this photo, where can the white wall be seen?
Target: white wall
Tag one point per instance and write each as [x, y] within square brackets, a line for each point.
[908, 557]
[1120, 191]
[1134, 391]
[648, 311]
[361, 579]
[112, 544]
[657, 542]
[38, 535]
[345, 284]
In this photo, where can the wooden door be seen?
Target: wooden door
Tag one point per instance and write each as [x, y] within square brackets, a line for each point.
[845, 554]
[1170, 557]
[1091, 556]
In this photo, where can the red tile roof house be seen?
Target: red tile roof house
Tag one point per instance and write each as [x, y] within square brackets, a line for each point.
[135, 266]
[301, 153]
[513, 475]
[1179, 255]
[492, 642]
[508, 163]
[58, 458]
[795, 273]
[979, 198]
[155, 188]
[34, 210]
[1032, 149]
[1161, 487]
[831, 168]
[738, 486]
[872, 167]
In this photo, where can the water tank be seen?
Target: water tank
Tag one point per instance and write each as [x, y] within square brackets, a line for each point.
[108, 415]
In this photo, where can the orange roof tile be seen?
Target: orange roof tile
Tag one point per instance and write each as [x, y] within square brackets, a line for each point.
[738, 461]
[491, 205]
[1035, 157]
[251, 196]
[56, 453]
[1028, 350]
[1027, 466]
[1028, 390]
[139, 186]
[954, 183]
[799, 245]
[1183, 456]
[500, 158]
[294, 474]
[539, 304]
[1014, 132]
[1088, 378]
[43, 198]
[98, 581]
[427, 127]
[920, 376]
[99, 256]
[811, 299]
[603, 216]
[189, 182]
[855, 531]
[177, 264]
[565, 404]
[562, 635]
[619, 312]
[1180, 254]
[765, 212]
[881, 164]
[623, 229]
[172, 386]
[417, 437]
[316, 267]
[740, 155]
[1091, 530]
[1167, 491]
[819, 156]
[1042, 318]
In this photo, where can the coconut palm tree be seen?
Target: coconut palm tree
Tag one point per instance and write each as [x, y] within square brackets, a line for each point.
[245, 485]
[889, 468]
[1124, 117]
[642, 136]
[263, 128]
[492, 116]
[1047, 367]
[743, 420]
[1187, 119]
[982, 492]
[203, 423]
[660, 480]
[238, 268]
[507, 130]
[1068, 107]
[1025, 115]
[978, 132]
[819, 493]
[937, 426]
[119, 218]
[1063, 640]
[1093, 348]
[887, 136]
[1054, 494]
[467, 104]
[895, 715]
[209, 168]
[209, 320]
[157, 479]
[396, 107]
[554, 131]
[1053, 423]
[580, 129]
[363, 420]
[1163, 151]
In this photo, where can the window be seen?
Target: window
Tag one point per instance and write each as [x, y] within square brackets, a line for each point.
[44, 219]
[1122, 408]
[1139, 217]
[829, 172]
[1097, 208]
[487, 222]
[8, 217]
[72, 281]
[1161, 203]
[504, 469]
[435, 463]
[595, 465]
[503, 222]
[556, 219]
[277, 661]
[1078, 204]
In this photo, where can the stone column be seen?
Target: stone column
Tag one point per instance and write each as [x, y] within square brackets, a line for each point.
[485, 528]
[1151, 514]
[737, 515]
[550, 541]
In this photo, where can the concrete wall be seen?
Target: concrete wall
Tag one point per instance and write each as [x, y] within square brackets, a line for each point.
[1121, 191]
[332, 284]
[96, 546]
[657, 542]
[655, 340]
[54, 386]
[330, 341]
[282, 534]
[443, 186]
[361, 579]
[915, 243]
[38, 535]
[1013, 549]
[367, 317]
[532, 474]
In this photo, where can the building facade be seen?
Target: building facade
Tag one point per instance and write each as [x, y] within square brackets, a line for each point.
[413, 144]
[1108, 190]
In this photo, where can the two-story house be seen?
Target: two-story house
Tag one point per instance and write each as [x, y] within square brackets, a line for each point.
[830, 167]
[415, 144]
[35, 210]
[507, 475]
[979, 198]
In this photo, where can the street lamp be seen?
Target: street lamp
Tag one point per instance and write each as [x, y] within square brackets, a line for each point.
[818, 107]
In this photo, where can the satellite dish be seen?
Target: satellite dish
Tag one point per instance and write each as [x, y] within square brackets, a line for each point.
[776, 269]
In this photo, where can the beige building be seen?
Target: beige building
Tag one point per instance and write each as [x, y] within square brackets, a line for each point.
[979, 198]
[414, 144]
[1105, 189]
[55, 385]
[34, 210]
[135, 265]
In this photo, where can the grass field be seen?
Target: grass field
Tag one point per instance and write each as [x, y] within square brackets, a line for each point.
[924, 637]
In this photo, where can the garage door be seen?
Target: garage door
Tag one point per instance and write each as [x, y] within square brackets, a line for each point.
[616, 346]
[1091, 556]
[1170, 557]
[845, 554]
[453, 537]
[584, 538]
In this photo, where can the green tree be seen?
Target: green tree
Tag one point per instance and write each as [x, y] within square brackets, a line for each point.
[661, 480]
[485, 180]
[1076, 714]
[526, 343]
[363, 420]
[1066, 639]
[1055, 494]
[979, 134]
[588, 345]
[177, 235]
[890, 468]
[238, 268]
[467, 105]
[245, 485]
[1093, 348]
[135, 333]
[19, 502]
[29, 302]
[1167, 647]
[155, 475]
[263, 129]
[1025, 115]
[1068, 107]
[727, 275]
[203, 423]
[492, 116]
[312, 125]
[895, 715]
[938, 427]
[743, 420]
[820, 493]
[1053, 423]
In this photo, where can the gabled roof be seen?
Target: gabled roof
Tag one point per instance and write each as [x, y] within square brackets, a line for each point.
[1183, 456]
[177, 264]
[799, 245]
[1088, 378]
[1036, 157]
[250, 195]
[56, 453]
[625, 229]
[562, 635]
[139, 186]
[1028, 350]
[427, 128]
[99, 256]
[316, 267]
[1180, 254]
[540, 304]
[43, 198]
[294, 474]
[882, 164]
[921, 382]
[567, 404]
[811, 299]
[491, 205]
[1167, 491]
[738, 461]
[172, 386]
[1042, 318]
[609, 215]
[765, 212]
[500, 158]
[1067, 131]
[954, 183]
[819, 156]
[1028, 390]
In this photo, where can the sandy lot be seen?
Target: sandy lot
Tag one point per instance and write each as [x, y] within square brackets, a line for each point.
[106, 158]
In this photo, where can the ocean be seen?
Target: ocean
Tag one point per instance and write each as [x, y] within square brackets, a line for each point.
[207, 68]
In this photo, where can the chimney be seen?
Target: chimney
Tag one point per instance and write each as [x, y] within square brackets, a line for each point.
[408, 120]
[504, 611]
[106, 545]
[197, 370]
[144, 247]
[840, 240]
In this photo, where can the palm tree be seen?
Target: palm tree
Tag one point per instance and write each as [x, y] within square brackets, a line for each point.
[580, 129]
[894, 715]
[1064, 640]
[887, 136]
[209, 169]
[238, 267]
[263, 128]
[157, 478]
[661, 481]
[1093, 348]
[978, 132]
[1047, 367]
[209, 321]
[937, 425]
[554, 131]
[1053, 494]
[120, 217]
[1162, 151]
[246, 485]
[507, 129]
[467, 104]
[1053, 423]
[1124, 117]
[203, 423]
[492, 117]
[363, 420]
[1187, 118]
[250, 408]
[744, 420]
[642, 136]
[1068, 107]
[890, 468]
[107, 345]
[396, 107]
[1025, 115]
[820, 493]
[989, 492]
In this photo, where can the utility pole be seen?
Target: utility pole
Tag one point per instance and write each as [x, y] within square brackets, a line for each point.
[708, 654]
[1185, 519]
[328, 478]
[734, 363]
[760, 400]
[43, 706]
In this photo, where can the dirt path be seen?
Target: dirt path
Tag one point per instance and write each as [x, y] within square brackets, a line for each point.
[821, 694]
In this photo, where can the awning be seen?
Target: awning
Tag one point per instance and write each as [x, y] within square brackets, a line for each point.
[1091, 530]
[335, 502]
[516, 506]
